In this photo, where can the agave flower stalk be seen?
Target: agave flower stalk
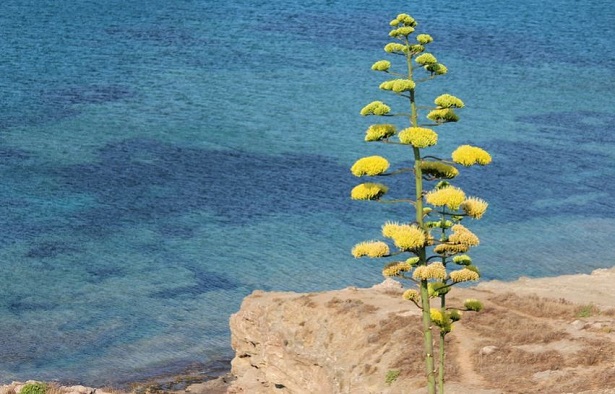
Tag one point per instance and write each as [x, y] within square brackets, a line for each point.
[430, 259]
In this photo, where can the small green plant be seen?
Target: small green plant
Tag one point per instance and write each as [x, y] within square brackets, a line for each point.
[392, 376]
[435, 241]
[34, 388]
[587, 310]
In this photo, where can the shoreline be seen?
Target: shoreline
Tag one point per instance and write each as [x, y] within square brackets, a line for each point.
[594, 289]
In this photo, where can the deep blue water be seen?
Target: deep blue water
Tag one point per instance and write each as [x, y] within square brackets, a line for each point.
[160, 160]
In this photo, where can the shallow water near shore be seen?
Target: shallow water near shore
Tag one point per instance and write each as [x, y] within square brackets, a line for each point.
[160, 161]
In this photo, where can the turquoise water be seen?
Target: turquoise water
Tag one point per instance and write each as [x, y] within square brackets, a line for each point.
[161, 160]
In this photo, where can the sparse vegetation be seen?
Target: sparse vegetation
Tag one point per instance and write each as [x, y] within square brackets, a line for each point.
[392, 376]
[587, 310]
[536, 351]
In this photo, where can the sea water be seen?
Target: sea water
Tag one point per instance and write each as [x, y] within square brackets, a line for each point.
[160, 160]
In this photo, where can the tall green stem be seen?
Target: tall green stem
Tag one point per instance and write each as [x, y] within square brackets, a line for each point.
[425, 305]
[442, 349]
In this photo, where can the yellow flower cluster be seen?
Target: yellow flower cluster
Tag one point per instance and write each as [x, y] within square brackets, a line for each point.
[443, 115]
[424, 39]
[370, 166]
[437, 69]
[431, 271]
[416, 48]
[448, 101]
[382, 65]
[419, 137]
[463, 275]
[368, 191]
[426, 59]
[405, 236]
[398, 85]
[441, 319]
[474, 207]
[390, 228]
[468, 155]
[439, 170]
[412, 295]
[375, 108]
[436, 316]
[461, 235]
[401, 32]
[403, 19]
[449, 196]
[450, 249]
[394, 47]
[371, 249]
[377, 132]
[396, 268]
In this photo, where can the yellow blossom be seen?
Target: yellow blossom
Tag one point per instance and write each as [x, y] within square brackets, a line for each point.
[398, 85]
[448, 101]
[450, 249]
[437, 69]
[416, 48]
[375, 108]
[370, 166]
[394, 47]
[426, 59]
[424, 39]
[368, 191]
[443, 115]
[396, 268]
[463, 275]
[468, 155]
[440, 170]
[371, 249]
[406, 20]
[419, 137]
[436, 316]
[382, 65]
[461, 235]
[431, 271]
[412, 295]
[449, 196]
[390, 228]
[405, 236]
[377, 132]
[403, 31]
[474, 207]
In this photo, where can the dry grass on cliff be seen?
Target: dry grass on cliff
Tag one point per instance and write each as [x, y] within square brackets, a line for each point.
[539, 349]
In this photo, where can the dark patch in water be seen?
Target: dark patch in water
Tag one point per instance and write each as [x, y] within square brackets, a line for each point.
[160, 35]
[100, 274]
[49, 250]
[141, 180]
[88, 94]
[204, 281]
[10, 156]
[20, 306]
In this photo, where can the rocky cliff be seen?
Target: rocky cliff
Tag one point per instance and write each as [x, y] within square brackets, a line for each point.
[369, 341]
